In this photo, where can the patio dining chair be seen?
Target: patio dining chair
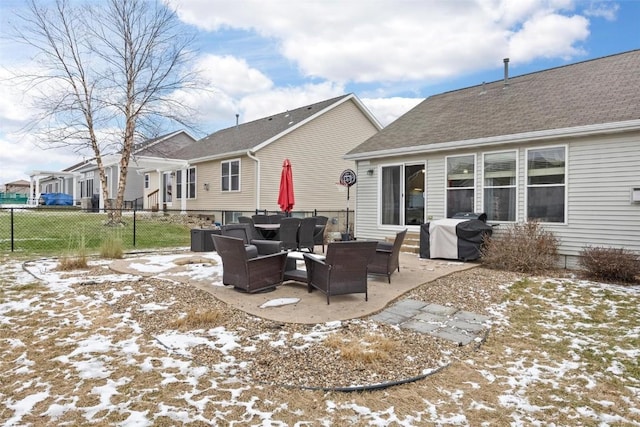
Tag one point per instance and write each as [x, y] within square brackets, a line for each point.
[260, 219]
[275, 218]
[321, 226]
[305, 234]
[288, 233]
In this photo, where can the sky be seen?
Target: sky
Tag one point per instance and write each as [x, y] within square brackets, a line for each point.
[264, 57]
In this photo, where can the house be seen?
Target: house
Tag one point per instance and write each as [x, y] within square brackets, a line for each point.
[238, 169]
[20, 187]
[82, 180]
[561, 146]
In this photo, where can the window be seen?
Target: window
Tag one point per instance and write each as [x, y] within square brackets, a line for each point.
[231, 175]
[146, 180]
[460, 184]
[500, 186]
[190, 184]
[546, 181]
[86, 188]
[167, 185]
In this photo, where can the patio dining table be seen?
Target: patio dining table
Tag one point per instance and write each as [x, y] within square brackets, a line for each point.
[269, 231]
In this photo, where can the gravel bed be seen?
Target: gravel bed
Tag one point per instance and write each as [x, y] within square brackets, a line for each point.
[352, 353]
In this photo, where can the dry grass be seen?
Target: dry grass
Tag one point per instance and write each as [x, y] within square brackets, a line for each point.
[195, 319]
[112, 246]
[73, 262]
[368, 349]
[534, 369]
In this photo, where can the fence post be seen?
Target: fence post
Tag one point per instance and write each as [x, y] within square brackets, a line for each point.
[12, 230]
[134, 227]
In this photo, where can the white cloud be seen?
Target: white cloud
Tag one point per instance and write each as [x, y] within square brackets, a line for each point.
[547, 36]
[386, 110]
[603, 9]
[388, 40]
[231, 75]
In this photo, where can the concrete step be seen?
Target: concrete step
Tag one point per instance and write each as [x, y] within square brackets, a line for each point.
[411, 243]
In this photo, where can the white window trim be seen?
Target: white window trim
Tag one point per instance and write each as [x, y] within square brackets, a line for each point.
[147, 180]
[475, 181]
[184, 183]
[239, 175]
[195, 183]
[566, 182]
[517, 186]
[378, 173]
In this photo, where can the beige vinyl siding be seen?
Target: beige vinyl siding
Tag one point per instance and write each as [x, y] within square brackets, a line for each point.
[315, 151]
[210, 172]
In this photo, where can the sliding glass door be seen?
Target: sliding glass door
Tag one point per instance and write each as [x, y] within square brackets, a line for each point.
[402, 194]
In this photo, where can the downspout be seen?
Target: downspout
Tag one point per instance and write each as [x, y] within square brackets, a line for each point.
[257, 160]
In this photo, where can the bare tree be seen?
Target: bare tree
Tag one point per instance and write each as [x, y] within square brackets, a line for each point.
[110, 74]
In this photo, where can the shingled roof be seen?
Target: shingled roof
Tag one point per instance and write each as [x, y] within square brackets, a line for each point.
[249, 136]
[598, 91]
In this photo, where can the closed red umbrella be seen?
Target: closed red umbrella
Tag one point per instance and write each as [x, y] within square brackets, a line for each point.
[285, 195]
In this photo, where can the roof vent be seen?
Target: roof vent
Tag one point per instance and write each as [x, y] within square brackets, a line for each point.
[237, 117]
[506, 72]
[484, 90]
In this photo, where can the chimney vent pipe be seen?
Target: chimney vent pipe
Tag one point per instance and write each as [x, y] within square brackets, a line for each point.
[506, 71]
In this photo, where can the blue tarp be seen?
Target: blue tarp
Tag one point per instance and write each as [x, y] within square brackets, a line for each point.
[57, 199]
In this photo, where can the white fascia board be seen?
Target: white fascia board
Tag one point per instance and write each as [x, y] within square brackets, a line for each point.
[35, 173]
[572, 132]
[218, 156]
[152, 164]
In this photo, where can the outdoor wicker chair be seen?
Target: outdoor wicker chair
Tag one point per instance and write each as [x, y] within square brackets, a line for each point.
[244, 269]
[288, 233]
[251, 236]
[321, 226]
[386, 258]
[260, 219]
[275, 218]
[343, 271]
[305, 234]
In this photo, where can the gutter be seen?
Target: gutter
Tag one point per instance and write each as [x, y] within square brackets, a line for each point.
[572, 132]
[257, 160]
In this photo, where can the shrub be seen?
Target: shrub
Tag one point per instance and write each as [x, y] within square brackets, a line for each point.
[611, 264]
[525, 248]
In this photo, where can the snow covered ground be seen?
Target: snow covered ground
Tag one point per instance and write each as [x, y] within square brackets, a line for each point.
[561, 352]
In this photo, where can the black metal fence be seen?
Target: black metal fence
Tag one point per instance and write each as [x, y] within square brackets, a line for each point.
[52, 230]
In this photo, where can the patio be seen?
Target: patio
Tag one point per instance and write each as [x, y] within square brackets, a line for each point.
[290, 302]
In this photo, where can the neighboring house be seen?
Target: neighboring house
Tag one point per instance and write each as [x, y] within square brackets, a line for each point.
[561, 146]
[82, 180]
[238, 169]
[17, 187]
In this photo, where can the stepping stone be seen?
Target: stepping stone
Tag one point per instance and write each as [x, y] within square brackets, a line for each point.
[422, 327]
[454, 335]
[441, 310]
[468, 316]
